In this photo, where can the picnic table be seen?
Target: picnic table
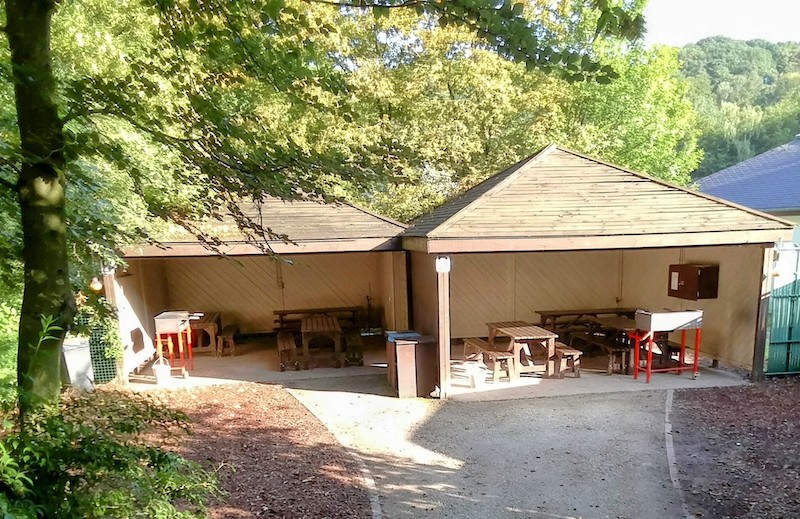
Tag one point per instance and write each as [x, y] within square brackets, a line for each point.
[167, 325]
[209, 322]
[612, 335]
[284, 319]
[569, 319]
[321, 325]
[523, 335]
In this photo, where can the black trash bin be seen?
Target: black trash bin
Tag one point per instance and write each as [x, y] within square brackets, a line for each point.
[412, 360]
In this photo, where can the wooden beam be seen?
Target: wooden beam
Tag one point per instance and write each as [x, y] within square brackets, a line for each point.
[556, 243]
[762, 321]
[443, 288]
[194, 249]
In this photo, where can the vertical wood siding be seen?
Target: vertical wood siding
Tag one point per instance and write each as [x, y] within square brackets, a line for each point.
[394, 290]
[729, 322]
[425, 293]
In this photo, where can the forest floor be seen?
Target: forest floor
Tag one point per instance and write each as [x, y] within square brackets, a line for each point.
[738, 449]
[276, 459]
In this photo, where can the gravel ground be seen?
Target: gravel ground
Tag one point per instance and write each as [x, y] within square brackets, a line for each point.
[278, 460]
[738, 450]
[587, 456]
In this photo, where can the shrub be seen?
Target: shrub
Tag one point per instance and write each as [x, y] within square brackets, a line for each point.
[99, 455]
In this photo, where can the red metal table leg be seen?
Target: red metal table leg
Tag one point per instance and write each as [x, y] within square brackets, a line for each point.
[697, 336]
[189, 346]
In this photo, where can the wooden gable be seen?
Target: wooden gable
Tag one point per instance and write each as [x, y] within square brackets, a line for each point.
[561, 200]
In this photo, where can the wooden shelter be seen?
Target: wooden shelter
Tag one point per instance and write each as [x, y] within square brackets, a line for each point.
[337, 257]
[560, 230]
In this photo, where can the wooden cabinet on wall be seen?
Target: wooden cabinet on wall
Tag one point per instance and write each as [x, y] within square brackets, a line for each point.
[693, 282]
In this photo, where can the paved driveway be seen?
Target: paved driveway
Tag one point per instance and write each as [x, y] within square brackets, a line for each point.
[587, 456]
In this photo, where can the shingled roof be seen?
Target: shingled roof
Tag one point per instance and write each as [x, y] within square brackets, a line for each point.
[769, 182]
[562, 200]
[310, 226]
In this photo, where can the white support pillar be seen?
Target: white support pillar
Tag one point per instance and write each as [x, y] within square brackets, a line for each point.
[443, 290]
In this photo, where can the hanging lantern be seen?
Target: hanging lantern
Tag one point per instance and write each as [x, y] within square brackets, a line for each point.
[96, 285]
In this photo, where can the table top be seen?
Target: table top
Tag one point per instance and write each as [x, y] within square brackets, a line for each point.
[205, 318]
[319, 323]
[586, 311]
[331, 309]
[625, 324]
[172, 321]
[520, 330]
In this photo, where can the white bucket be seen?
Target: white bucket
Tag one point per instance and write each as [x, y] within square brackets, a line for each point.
[162, 371]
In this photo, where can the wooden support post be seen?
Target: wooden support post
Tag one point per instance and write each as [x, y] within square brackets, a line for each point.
[443, 289]
[762, 322]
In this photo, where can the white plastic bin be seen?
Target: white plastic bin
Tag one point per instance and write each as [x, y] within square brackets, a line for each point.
[78, 362]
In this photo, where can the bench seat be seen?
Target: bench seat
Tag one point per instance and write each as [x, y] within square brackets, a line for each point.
[498, 359]
[226, 336]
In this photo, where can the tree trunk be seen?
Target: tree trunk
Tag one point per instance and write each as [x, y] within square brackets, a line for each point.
[41, 194]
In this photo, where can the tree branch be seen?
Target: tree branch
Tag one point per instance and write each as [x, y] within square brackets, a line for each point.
[368, 5]
[8, 184]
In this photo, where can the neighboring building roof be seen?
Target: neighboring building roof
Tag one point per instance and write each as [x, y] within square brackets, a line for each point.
[769, 182]
[310, 226]
[561, 200]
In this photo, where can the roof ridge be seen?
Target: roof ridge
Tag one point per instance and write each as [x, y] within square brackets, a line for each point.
[517, 169]
[696, 193]
[376, 215]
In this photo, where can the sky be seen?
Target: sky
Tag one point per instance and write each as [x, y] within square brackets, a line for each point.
[678, 22]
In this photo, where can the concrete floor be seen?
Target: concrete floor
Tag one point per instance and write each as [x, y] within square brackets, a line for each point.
[256, 360]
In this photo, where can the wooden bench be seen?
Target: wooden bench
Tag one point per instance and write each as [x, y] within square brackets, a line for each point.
[497, 358]
[287, 351]
[614, 350]
[226, 336]
[572, 358]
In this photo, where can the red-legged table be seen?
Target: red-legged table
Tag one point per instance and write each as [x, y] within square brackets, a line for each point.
[174, 323]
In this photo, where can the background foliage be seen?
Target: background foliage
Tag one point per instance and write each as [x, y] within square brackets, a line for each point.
[746, 95]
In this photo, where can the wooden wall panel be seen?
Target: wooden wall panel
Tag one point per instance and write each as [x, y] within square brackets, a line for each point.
[730, 321]
[394, 292]
[321, 280]
[424, 293]
[563, 280]
[244, 289]
[481, 291]
[498, 287]
[140, 297]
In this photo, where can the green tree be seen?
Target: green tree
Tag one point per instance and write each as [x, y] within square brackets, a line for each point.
[208, 91]
[745, 94]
